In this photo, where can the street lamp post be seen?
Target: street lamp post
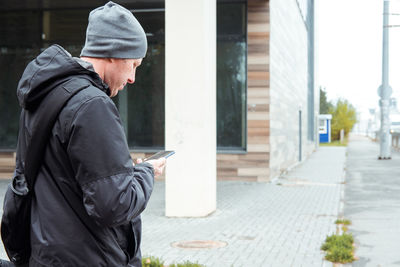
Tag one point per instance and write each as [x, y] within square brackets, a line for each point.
[385, 90]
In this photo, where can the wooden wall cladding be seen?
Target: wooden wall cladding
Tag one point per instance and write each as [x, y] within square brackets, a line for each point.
[254, 165]
[7, 164]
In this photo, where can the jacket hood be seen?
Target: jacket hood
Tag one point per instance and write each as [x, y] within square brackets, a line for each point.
[53, 66]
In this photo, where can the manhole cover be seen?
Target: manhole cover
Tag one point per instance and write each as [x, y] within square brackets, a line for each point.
[199, 244]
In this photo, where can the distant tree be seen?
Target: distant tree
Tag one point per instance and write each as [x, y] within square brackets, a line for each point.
[324, 104]
[343, 117]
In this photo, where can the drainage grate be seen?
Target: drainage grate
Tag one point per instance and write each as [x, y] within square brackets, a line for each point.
[199, 244]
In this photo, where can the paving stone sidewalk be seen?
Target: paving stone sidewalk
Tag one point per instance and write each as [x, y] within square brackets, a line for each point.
[282, 223]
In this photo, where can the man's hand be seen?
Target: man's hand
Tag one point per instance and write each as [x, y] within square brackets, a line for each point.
[158, 165]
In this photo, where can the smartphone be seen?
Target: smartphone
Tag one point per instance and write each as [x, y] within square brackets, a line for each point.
[161, 154]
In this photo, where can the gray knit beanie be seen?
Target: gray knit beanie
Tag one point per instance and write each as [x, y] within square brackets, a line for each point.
[113, 32]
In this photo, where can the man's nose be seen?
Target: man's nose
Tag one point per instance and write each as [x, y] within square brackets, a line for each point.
[131, 80]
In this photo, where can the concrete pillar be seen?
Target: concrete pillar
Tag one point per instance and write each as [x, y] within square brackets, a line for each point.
[190, 107]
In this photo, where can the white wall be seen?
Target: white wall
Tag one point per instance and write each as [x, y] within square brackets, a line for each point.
[288, 89]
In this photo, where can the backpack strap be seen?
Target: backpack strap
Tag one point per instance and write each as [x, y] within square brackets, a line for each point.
[49, 110]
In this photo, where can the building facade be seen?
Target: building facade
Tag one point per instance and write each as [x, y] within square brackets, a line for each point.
[266, 101]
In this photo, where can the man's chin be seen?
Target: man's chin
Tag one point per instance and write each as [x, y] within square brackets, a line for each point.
[113, 93]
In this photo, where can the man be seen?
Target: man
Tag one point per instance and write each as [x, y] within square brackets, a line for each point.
[87, 155]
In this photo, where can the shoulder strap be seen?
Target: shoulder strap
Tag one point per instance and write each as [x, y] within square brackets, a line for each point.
[51, 106]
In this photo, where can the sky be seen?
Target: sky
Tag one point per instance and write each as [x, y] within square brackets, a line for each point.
[349, 50]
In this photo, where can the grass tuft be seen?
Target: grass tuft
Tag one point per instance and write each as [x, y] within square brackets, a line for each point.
[343, 221]
[335, 143]
[339, 248]
[337, 254]
[186, 264]
[152, 262]
[156, 262]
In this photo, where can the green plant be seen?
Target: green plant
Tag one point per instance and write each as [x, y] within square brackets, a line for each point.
[324, 104]
[343, 117]
[152, 262]
[339, 248]
[335, 143]
[186, 264]
[156, 262]
[337, 254]
[343, 221]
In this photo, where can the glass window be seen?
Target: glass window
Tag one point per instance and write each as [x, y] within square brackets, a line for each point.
[323, 126]
[26, 33]
[19, 41]
[146, 96]
[231, 76]
[29, 28]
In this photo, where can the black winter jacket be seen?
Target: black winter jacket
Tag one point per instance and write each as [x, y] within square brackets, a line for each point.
[88, 153]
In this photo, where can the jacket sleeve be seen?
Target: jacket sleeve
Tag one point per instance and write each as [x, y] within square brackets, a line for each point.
[21, 146]
[19, 171]
[114, 191]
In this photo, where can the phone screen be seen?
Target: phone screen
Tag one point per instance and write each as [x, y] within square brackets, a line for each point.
[161, 154]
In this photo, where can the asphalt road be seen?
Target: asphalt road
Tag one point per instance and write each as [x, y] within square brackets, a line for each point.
[372, 203]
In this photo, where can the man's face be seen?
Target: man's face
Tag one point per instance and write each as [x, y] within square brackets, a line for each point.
[119, 72]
